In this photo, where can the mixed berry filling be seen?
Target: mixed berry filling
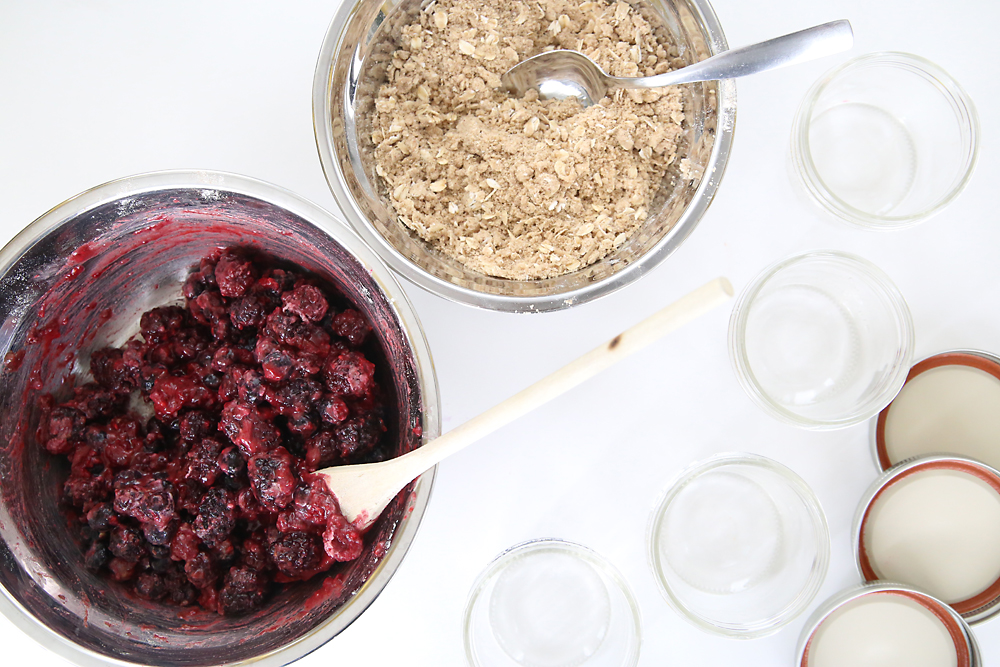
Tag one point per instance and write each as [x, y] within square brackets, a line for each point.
[257, 382]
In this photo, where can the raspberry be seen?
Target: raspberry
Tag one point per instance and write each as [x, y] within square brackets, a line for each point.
[110, 370]
[65, 429]
[208, 598]
[216, 517]
[101, 517]
[250, 507]
[271, 478]
[159, 324]
[171, 393]
[296, 554]
[227, 356]
[248, 428]
[97, 556]
[306, 301]
[84, 489]
[351, 325]
[94, 401]
[247, 312]
[150, 586]
[276, 281]
[121, 570]
[234, 274]
[209, 308]
[203, 461]
[184, 546]
[196, 425]
[349, 374]
[290, 329]
[122, 441]
[189, 343]
[341, 539]
[187, 495]
[145, 498]
[156, 436]
[127, 544]
[200, 570]
[311, 507]
[224, 551]
[249, 385]
[242, 592]
[322, 450]
[359, 436]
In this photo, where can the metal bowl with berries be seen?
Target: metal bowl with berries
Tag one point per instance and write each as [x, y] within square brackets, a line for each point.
[181, 350]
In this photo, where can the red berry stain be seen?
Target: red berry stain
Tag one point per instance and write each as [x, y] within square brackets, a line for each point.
[12, 360]
[45, 333]
[83, 253]
[332, 587]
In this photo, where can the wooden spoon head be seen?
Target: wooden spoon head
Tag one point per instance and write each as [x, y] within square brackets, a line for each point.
[362, 491]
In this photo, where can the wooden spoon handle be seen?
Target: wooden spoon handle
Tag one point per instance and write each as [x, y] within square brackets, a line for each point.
[677, 314]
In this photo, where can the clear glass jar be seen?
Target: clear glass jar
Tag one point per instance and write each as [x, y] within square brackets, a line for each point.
[551, 602]
[739, 545]
[885, 141]
[821, 340]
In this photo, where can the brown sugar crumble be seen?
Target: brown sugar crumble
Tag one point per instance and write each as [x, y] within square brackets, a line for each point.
[524, 188]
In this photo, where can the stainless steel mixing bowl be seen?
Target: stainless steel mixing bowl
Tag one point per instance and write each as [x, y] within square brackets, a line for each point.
[351, 69]
[77, 279]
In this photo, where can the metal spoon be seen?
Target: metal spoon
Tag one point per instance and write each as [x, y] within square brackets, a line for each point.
[364, 490]
[562, 74]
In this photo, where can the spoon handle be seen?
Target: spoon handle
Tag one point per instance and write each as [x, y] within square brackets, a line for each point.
[797, 47]
[682, 311]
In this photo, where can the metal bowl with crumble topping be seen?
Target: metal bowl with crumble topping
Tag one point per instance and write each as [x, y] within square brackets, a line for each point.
[488, 254]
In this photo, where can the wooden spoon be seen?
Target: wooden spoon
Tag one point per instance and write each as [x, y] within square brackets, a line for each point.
[364, 490]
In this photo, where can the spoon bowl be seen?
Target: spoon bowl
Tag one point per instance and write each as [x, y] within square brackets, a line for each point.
[563, 74]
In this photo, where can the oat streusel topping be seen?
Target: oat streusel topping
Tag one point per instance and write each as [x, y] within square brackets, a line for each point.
[524, 188]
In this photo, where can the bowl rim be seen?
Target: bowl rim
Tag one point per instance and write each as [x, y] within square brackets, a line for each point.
[813, 583]
[741, 365]
[322, 102]
[330, 224]
[967, 119]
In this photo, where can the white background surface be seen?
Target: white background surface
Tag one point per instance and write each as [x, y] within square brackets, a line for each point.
[95, 90]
